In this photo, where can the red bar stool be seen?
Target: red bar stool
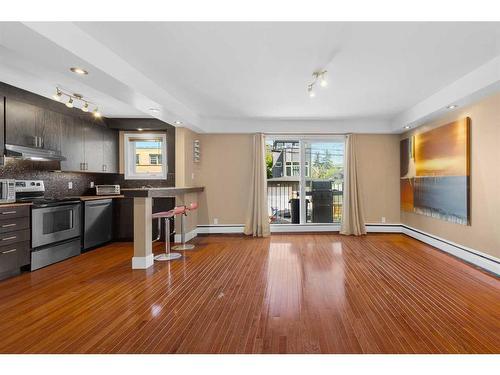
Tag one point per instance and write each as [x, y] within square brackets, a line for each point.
[167, 215]
[185, 246]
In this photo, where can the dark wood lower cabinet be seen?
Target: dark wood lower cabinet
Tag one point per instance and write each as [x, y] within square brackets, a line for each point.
[124, 217]
[15, 239]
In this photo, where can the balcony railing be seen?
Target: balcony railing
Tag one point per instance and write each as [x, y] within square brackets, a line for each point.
[279, 194]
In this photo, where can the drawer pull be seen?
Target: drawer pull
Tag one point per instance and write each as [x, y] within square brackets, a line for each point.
[8, 251]
[9, 238]
[9, 225]
[8, 212]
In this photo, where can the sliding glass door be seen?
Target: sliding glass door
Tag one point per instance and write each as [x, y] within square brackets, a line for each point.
[324, 179]
[304, 179]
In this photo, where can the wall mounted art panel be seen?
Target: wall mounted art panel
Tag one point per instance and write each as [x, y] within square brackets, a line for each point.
[435, 172]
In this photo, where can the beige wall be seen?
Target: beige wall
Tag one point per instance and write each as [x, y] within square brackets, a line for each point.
[378, 166]
[225, 172]
[484, 232]
[186, 174]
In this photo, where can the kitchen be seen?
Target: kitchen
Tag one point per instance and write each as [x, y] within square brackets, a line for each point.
[62, 177]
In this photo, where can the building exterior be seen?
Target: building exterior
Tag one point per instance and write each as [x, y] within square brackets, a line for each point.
[148, 159]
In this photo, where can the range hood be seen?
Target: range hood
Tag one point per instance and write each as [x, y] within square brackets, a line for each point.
[32, 153]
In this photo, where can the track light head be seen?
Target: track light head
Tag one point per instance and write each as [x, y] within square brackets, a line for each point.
[69, 104]
[85, 107]
[58, 95]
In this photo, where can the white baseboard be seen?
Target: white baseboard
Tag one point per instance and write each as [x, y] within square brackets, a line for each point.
[284, 228]
[469, 255]
[221, 229]
[383, 228]
[141, 263]
[189, 235]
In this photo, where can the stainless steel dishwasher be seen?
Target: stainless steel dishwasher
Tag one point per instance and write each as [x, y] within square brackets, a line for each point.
[98, 222]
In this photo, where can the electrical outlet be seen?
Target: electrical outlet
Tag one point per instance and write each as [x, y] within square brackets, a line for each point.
[216, 221]
[70, 185]
[383, 219]
[91, 184]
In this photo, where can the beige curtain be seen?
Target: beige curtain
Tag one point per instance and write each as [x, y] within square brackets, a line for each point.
[352, 210]
[257, 223]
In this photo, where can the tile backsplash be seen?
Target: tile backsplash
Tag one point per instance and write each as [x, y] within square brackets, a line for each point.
[56, 182]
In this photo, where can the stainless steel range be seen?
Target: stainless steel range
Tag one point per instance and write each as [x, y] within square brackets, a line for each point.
[55, 224]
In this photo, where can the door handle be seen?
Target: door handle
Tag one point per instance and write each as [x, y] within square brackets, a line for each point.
[9, 238]
[9, 212]
[9, 225]
[8, 251]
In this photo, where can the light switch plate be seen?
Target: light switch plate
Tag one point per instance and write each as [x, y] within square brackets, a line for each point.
[216, 221]
[383, 219]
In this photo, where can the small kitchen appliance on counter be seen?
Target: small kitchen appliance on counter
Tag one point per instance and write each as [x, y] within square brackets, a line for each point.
[107, 190]
[7, 191]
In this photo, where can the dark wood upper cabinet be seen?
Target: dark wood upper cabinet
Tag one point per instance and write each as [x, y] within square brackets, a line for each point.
[72, 145]
[86, 143]
[110, 151]
[2, 128]
[93, 147]
[24, 122]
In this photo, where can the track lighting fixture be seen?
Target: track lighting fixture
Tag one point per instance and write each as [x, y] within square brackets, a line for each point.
[58, 95]
[310, 91]
[76, 98]
[318, 77]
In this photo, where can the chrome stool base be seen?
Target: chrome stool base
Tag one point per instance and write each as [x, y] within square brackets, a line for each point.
[169, 256]
[183, 247]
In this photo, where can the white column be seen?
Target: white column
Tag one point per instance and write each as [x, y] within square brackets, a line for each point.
[143, 247]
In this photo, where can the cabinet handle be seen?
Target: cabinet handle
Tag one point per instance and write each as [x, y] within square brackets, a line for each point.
[8, 251]
[9, 238]
[8, 212]
[9, 225]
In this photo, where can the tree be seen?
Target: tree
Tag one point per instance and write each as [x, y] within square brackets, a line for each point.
[269, 161]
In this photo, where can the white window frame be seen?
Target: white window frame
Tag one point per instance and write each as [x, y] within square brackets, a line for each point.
[130, 158]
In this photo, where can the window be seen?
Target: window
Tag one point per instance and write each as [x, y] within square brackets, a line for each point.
[145, 156]
[154, 159]
[305, 179]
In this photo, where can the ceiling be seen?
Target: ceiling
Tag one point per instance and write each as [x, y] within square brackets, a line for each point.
[200, 72]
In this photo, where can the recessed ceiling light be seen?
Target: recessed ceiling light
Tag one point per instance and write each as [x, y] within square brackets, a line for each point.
[452, 106]
[80, 71]
[407, 127]
[178, 122]
[140, 129]
[154, 110]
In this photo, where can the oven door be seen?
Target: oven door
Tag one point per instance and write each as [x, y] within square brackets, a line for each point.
[54, 224]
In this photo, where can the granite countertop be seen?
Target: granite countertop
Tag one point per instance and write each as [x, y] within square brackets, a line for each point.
[97, 197]
[15, 204]
[159, 192]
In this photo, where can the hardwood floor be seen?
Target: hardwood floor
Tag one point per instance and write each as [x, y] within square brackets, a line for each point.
[308, 293]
